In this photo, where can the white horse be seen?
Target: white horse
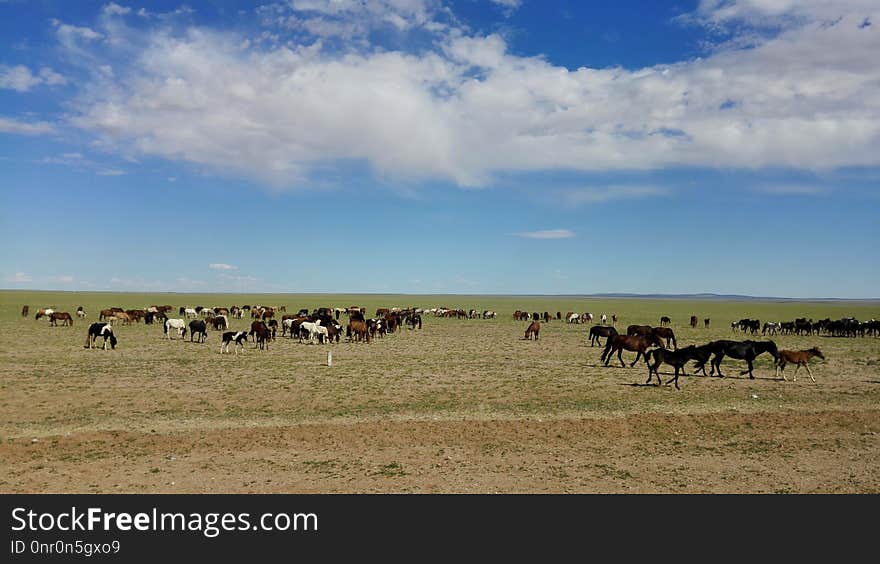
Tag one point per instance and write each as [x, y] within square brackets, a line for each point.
[323, 335]
[604, 319]
[190, 312]
[587, 318]
[312, 328]
[573, 318]
[178, 324]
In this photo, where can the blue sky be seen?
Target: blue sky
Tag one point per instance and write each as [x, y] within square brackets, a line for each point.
[425, 146]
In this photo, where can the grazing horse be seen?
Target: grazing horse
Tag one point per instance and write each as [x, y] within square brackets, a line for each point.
[415, 320]
[177, 324]
[57, 316]
[80, 312]
[666, 333]
[533, 330]
[573, 318]
[104, 330]
[741, 350]
[597, 331]
[676, 359]
[262, 334]
[634, 343]
[105, 314]
[587, 317]
[706, 323]
[613, 318]
[311, 328]
[220, 323]
[639, 330]
[801, 358]
[604, 319]
[238, 337]
[357, 330]
[200, 328]
[43, 312]
[694, 322]
[25, 310]
[664, 321]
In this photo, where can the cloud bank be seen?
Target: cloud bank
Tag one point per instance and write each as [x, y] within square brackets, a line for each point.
[278, 105]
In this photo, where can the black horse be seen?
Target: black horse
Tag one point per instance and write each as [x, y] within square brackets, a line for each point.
[104, 330]
[701, 356]
[198, 326]
[413, 320]
[677, 359]
[741, 350]
[597, 331]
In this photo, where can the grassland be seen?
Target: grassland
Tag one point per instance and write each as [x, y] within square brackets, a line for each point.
[458, 406]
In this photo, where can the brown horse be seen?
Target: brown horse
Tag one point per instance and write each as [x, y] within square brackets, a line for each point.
[639, 330]
[357, 330]
[666, 333]
[693, 322]
[534, 329]
[665, 321]
[57, 316]
[634, 343]
[801, 358]
[706, 323]
[25, 310]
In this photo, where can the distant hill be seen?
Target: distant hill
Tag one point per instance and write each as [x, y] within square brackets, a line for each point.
[724, 297]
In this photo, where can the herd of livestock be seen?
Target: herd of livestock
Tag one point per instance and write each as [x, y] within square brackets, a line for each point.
[322, 325]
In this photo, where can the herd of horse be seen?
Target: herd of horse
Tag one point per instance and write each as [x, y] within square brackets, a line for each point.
[653, 345]
[656, 345]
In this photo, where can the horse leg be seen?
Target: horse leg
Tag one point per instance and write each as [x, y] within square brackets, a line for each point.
[673, 379]
[620, 357]
[797, 367]
[651, 371]
[780, 369]
[810, 372]
[749, 371]
[716, 364]
[638, 356]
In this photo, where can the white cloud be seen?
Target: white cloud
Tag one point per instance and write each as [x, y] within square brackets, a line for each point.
[547, 234]
[18, 277]
[221, 266]
[21, 79]
[805, 98]
[509, 5]
[8, 125]
[65, 279]
[601, 194]
[114, 9]
[17, 78]
[792, 190]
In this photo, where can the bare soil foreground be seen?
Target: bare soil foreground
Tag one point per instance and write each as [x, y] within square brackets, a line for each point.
[462, 405]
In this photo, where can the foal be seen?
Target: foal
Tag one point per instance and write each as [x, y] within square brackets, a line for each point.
[797, 357]
[533, 330]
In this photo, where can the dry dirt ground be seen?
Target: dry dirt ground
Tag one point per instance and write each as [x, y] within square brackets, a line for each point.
[460, 406]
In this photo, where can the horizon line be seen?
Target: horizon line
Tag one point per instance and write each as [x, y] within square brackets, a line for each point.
[613, 295]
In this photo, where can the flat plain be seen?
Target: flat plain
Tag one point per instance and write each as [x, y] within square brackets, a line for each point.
[460, 406]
